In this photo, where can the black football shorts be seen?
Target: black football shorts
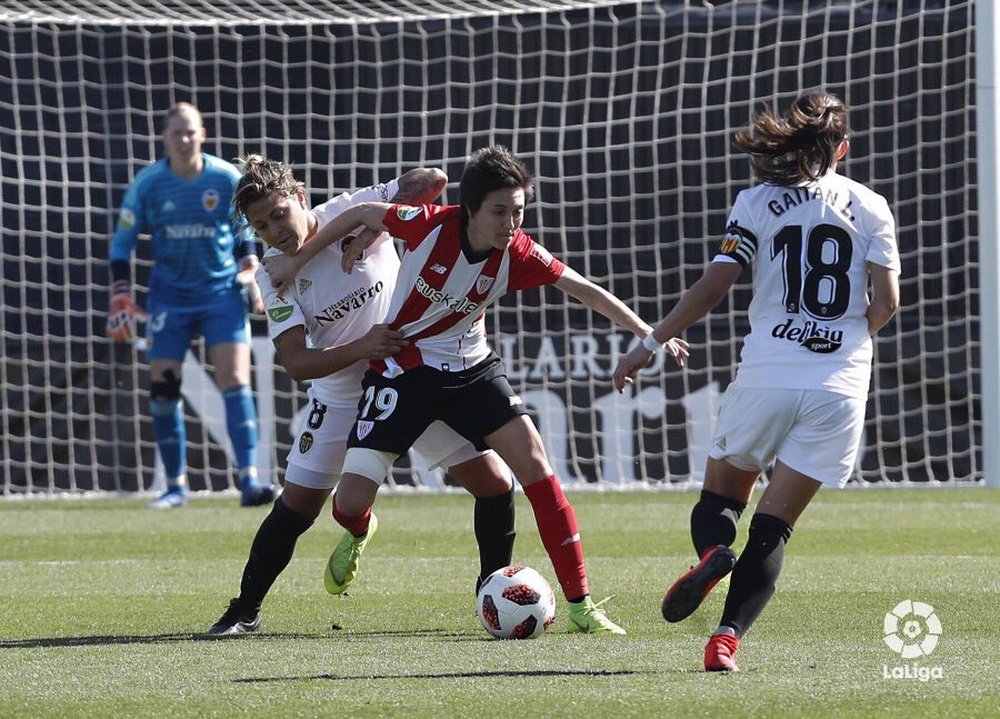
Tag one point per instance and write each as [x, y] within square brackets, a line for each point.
[394, 412]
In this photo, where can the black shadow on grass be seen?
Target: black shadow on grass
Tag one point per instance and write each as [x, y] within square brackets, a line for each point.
[448, 675]
[447, 634]
[45, 642]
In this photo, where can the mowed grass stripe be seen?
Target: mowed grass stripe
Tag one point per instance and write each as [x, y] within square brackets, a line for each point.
[102, 602]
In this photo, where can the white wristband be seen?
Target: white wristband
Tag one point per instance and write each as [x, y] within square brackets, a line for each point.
[650, 343]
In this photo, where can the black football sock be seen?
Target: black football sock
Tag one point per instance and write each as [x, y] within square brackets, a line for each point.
[713, 521]
[753, 579]
[271, 552]
[494, 524]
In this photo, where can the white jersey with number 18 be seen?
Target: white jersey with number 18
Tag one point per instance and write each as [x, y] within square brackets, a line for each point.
[809, 246]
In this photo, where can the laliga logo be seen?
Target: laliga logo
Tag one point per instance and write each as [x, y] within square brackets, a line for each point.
[912, 630]
[918, 633]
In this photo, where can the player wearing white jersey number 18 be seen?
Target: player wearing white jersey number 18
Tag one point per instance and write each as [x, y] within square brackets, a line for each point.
[816, 240]
[341, 317]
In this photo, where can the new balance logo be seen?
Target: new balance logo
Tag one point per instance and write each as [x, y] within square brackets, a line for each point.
[440, 269]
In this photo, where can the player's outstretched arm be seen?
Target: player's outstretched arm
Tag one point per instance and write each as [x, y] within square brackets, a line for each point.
[282, 269]
[374, 226]
[421, 186]
[694, 304]
[367, 214]
[603, 302]
[304, 363]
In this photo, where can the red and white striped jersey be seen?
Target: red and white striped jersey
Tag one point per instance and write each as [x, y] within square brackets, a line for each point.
[442, 292]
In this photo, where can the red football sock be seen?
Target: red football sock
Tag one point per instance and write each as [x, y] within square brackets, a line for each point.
[358, 526]
[557, 526]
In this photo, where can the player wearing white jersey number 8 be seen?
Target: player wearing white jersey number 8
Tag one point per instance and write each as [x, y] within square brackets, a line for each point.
[341, 315]
[816, 240]
[459, 260]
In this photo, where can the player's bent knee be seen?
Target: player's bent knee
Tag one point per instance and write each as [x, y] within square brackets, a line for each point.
[307, 501]
[484, 476]
[369, 463]
[166, 390]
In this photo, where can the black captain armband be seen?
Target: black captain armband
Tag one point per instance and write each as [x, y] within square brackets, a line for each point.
[739, 244]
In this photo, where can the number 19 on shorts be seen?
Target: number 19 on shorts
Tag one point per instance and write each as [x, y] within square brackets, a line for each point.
[384, 402]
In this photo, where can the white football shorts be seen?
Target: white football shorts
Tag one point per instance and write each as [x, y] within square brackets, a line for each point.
[815, 432]
[316, 459]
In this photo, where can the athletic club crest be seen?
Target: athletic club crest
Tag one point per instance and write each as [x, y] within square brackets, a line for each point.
[483, 284]
[305, 442]
[210, 199]
[364, 428]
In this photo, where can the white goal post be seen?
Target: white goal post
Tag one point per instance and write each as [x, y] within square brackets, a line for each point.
[988, 162]
[625, 113]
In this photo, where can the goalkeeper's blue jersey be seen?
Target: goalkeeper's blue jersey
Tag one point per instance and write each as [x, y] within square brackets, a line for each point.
[190, 223]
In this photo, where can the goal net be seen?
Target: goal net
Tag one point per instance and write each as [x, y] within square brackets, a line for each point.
[624, 111]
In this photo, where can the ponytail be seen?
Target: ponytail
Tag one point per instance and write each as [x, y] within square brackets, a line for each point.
[801, 145]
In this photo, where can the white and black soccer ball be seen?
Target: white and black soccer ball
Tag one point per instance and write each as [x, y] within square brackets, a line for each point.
[516, 603]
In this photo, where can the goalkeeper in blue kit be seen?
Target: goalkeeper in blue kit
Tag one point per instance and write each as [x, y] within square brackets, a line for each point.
[201, 283]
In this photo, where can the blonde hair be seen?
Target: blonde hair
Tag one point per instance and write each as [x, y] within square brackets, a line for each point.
[182, 108]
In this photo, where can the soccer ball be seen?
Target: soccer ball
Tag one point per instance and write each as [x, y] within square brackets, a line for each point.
[516, 603]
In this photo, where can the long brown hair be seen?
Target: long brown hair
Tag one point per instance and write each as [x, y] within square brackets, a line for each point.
[799, 146]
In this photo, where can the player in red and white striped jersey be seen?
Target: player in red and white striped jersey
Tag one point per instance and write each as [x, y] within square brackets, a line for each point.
[460, 259]
[816, 240]
[442, 314]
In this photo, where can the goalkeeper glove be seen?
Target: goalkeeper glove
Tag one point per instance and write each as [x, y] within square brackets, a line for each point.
[251, 291]
[122, 313]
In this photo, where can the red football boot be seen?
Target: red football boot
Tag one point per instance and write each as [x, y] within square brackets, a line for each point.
[688, 592]
[720, 653]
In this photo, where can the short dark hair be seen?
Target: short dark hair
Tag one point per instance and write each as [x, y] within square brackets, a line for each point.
[800, 145]
[489, 169]
[261, 178]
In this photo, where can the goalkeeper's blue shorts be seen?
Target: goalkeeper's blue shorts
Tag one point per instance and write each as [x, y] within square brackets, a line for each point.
[171, 328]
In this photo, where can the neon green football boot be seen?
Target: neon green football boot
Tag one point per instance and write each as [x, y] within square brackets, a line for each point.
[342, 567]
[589, 618]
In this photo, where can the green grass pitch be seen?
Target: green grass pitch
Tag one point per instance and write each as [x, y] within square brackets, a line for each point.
[102, 603]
